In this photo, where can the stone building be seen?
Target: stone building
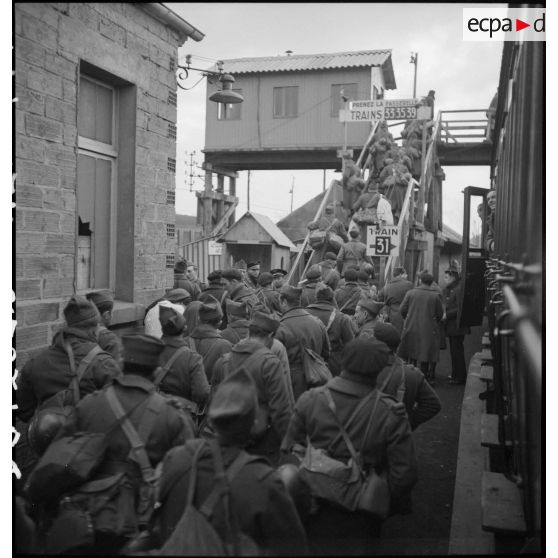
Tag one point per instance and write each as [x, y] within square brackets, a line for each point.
[95, 154]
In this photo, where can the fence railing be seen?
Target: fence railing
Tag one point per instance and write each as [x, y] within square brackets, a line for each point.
[457, 126]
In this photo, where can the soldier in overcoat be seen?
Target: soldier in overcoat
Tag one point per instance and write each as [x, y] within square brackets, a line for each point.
[347, 295]
[422, 310]
[238, 289]
[338, 325]
[259, 501]
[186, 277]
[330, 275]
[313, 276]
[299, 329]
[455, 334]
[206, 339]
[238, 322]
[352, 252]
[216, 291]
[388, 447]
[366, 317]
[421, 401]
[392, 296]
[270, 295]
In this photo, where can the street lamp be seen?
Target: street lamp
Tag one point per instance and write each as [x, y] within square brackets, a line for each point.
[225, 95]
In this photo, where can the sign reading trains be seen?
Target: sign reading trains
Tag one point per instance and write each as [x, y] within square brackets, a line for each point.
[380, 109]
[382, 241]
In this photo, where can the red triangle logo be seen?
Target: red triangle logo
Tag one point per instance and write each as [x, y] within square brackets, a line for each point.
[519, 25]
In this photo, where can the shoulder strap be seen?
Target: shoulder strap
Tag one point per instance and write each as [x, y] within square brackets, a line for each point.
[74, 382]
[330, 320]
[164, 370]
[401, 389]
[350, 300]
[191, 343]
[87, 360]
[138, 446]
[223, 296]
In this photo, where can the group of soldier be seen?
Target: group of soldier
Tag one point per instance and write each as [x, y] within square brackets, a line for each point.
[220, 367]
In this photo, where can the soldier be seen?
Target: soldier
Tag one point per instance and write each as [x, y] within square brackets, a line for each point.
[406, 382]
[299, 329]
[215, 289]
[270, 295]
[206, 339]
[107, 339]
[274, 404]
[328, 222]
[237, 316]
[349, 294]
[330, 275]
[313, 276]
[158, 425]
[388, 445]
[422, 310]
[186, 376]
[352, 252]
[49, 372]
[366, 316]
[338, 325]
[278, 278]
[179, 298]
[363, 281]
[252, 273]
[237, 289]
[186, 277]
[392, 296]
[259, 502]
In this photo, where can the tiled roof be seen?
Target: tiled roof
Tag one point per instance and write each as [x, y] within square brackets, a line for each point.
[305, 62]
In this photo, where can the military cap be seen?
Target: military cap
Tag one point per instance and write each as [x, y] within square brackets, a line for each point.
[362, 276]
[350, 274]
[236, 396]
[278, 271]
[365, 356]
[330, 256]
[323, 292]
[180, 266]
[209, 312]
[252, 264]
[265, 279]
[142, 349]
[178, 295]
[172, 320]
[387, 334]
[237, 309]
[426, 277]
[240, 264]
[288, 291]
[231, 274]
[103, 300]
[265, 322]
[80, 312]
[370, 305]
[214, 275]
[313, 273]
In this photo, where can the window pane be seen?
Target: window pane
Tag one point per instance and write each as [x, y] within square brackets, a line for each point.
[277, 101]
[285, 101]
[231, 111]
[349, 90]
[86, 109]
[103, 116]
[292, 101]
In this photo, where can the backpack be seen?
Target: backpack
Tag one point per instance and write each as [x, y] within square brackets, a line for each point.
[316, 371]
[194, 535]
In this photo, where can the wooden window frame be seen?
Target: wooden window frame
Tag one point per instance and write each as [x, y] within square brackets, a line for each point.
[333, 113]
[282, 87]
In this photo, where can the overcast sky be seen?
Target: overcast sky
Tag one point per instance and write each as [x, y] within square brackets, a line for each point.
[463, 74]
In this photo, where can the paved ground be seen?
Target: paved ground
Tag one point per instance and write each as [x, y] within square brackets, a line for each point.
[426, 531]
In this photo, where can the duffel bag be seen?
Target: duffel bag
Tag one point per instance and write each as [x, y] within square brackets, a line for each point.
[335, 241]
[316, 371]
[67, 463]
[317, 239]
[366, 216]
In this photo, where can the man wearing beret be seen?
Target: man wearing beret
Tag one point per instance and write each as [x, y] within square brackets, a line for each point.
[237, 288]
[388, 447]
[158, 423]
[366, 316]
[179, 299]
[49, 371]
[338, 325]
[347, 295]
[186, 375]
[206, 339]
[259, 501]
[107, 339]
[215, 288]
[238, 322]
[422, 310]
[392, 296]
[406, 382]
[275, 406]
[299, 329]
[269, 294]
[313, 276]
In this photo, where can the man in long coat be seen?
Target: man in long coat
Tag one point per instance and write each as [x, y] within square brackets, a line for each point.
[237, 288]
[392, 296]
[348, 295]
[300, 329]
[269, 294]
[366, 317]
[422, 310]
[338, 325]
[388, 447]
[330, 275]
[352, 252]
[313, 276]
[238, 322]
[455, 334]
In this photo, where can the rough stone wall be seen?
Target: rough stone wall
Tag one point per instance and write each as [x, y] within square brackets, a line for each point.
[50, 41]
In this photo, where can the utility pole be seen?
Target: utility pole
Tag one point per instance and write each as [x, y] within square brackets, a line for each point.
[414, 60]
[324, 180]
[248, 193]
[291, 191]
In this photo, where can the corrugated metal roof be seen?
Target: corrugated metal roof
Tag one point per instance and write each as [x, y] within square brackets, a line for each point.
[451, 235]
[306, 62]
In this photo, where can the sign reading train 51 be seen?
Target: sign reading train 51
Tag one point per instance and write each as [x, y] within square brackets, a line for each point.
[380, 109]
[382, 241]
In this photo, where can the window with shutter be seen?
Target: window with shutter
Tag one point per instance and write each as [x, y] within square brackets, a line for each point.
[285, 102]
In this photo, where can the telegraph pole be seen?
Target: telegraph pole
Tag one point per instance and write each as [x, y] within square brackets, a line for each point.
[248, 193]
[414, 60]
[291, 191]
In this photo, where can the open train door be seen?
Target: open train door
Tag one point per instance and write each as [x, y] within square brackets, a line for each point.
[473, 257]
